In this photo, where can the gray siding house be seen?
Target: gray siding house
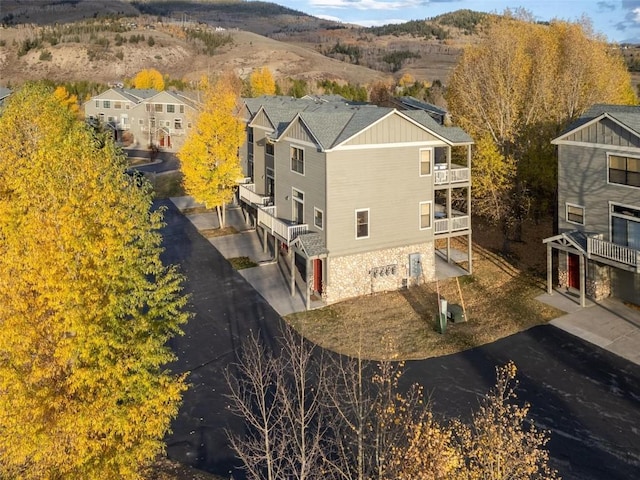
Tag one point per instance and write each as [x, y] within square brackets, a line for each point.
[147, 117]
[599, 205]
[361, 198]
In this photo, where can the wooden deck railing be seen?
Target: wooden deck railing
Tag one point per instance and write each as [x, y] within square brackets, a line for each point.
[455, 174]
[617, 253]
[248, 194]
[267, 217]
[447, 225]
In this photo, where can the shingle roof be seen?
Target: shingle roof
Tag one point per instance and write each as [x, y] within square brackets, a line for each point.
[453, 135]
[628, 115]
[333, 120]
[312, 244]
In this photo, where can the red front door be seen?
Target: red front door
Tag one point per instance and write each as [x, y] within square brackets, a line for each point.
[317, 275]
[574, 270]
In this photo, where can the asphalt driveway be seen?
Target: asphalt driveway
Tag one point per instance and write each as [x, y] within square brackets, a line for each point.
[588, 398]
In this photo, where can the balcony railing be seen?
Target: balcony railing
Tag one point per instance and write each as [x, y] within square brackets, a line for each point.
[248, 195]
[285, 230]
[612, 251]
[448, 225]
[456, 174]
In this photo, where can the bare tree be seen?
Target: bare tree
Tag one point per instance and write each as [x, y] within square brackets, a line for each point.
[279, 396]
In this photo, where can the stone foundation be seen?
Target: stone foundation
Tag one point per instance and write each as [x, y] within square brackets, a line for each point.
[563, 273]
[598, 284]
[382, 270]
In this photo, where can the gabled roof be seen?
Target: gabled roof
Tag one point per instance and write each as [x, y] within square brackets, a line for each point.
[626, 115]
[415, 104]
[312, 245]
[331, 120]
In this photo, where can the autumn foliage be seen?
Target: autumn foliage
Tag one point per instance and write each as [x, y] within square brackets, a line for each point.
[209, 157]
[148, 78]
[261, 82]
[86, 305]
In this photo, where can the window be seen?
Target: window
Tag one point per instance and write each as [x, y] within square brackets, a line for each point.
[177, 124]
[189, 125]
[362, 223]
[167, 123]
[250, 135]
[171, 108]
[268, 148]
[625, 226]
[127, 106]
[158, 107]
[141, 122]
[152, 122]
[149, 107]
[97, 103]
[297, 160]
[271, 181]
[425, 215]
[181, 108]
[318, 218]
[110, 119]
[117, 105]
[298, 205]
[425, 162]
[575, 214]
[107, 103]
[624, 170]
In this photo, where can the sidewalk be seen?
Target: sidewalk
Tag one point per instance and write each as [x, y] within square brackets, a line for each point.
[608, 324]
[267, 278]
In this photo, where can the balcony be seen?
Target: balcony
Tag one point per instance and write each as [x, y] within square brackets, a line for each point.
[455, 174]
[449, 225]
[286, 230]
[248, 195]
[613, 252]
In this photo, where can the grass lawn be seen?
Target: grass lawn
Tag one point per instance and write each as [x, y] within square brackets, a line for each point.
[242, 262]
[499, 299]
[167, 184]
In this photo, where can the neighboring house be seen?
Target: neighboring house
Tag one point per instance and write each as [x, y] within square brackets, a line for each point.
[146, 117]
[410, 103]
[599, 205]
[361, 198]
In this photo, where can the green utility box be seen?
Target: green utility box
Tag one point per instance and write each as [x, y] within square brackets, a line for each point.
[455, 314]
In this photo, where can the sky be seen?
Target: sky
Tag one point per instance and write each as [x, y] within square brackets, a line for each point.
[618, 20]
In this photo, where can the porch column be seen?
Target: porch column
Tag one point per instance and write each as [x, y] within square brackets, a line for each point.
[309, 284]
[292, 265]
[277, 247]
[582, 282]
[549, 269]
[470, 253]
[264, 240]
[449, 248]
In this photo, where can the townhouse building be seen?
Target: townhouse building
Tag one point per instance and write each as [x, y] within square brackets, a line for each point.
[598, 240]
[145, 117]
[360, 198]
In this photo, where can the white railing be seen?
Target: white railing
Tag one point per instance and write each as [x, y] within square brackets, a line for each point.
[454, 224]
[612, 251]
[248, 194]
[267, 217]
[455, 174]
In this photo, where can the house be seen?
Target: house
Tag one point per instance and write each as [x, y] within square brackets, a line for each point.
[598, 239]
[4, 95]
[144, 117]
[358, 198]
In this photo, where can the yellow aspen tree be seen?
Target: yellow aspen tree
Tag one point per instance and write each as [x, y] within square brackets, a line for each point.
[68, 100]
[209, 157]
[86, 305]
[501, 443]
[262, 82]
[148, 78]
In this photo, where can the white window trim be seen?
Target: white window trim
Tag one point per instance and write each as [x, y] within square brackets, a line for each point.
[358, 210]
[316, 209]
[566, 213]
[295, 199]
[609, 155]
[430, 216]
[303, 159]
[430, 150]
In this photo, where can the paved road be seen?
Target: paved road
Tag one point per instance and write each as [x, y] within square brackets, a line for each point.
[167, 161]
[587, 397]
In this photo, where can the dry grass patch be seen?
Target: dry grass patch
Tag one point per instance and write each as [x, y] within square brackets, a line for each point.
[499, 301]
[218, 232]
[165, 469]
[240, 263]
[167, 185]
